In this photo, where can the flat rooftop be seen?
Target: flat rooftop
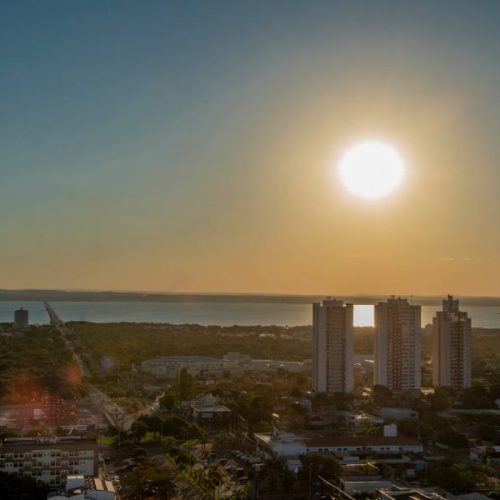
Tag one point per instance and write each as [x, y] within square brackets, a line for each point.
[47, 441]
[362, 441]
[184, 359]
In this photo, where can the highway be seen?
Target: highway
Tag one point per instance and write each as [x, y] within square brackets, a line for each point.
[114, 413]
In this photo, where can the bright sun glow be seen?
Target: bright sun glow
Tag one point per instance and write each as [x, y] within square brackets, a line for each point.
[371, 170]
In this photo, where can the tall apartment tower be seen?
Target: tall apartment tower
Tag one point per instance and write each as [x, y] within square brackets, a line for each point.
[397, 345]
[451, 350]
[332, 346]
[21, 318]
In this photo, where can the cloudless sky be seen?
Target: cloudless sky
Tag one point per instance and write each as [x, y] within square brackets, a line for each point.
[192, 146]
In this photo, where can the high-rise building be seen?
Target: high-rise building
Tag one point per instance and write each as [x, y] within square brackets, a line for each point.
[332, 346]
[451, 351]
[397, 345]
[21, 318]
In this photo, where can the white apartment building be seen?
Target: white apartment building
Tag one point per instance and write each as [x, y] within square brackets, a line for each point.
[451, 346]
[49, 460]
[397, 344]
[332, 346]
[171, 366]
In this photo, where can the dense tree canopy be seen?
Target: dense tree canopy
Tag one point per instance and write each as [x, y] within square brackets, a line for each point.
[316, 464]
[37, 362]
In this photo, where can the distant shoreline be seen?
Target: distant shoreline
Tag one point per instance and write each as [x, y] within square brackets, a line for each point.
[109, 296]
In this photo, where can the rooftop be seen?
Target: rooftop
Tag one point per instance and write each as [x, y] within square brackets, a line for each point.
[361, 441]
[211, 409]
[184, 359]
[46, 441]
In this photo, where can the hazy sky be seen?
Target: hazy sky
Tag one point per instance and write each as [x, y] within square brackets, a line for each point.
[191, 146]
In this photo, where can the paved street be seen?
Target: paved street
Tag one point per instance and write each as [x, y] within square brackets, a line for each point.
[114, 413]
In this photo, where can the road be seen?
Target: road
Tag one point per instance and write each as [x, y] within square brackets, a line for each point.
[113, 412]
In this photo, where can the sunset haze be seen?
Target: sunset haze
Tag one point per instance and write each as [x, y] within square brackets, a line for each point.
[194, 146]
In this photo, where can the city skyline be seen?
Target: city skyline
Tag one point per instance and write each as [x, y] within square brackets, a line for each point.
[250, 249]
[193, 147]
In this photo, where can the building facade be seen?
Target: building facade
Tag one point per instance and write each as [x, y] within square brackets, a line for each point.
[171, 366]
[332, 346]
[451, 346]
[21, 318]
[289, 445]
[49, 460]
[397, 345]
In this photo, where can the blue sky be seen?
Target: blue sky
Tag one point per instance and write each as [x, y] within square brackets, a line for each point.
[182, 145]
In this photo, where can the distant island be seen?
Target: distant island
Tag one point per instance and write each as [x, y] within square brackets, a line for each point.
[113, 296]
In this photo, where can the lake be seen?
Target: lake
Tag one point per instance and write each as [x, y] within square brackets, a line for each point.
[219, 313]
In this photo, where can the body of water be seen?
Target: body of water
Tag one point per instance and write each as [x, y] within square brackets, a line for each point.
[218, 313]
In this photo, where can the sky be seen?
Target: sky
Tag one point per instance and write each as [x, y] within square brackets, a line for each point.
[193, 146]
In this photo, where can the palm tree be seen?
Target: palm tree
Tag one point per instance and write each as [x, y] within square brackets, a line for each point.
[138, 430]
[215, 476]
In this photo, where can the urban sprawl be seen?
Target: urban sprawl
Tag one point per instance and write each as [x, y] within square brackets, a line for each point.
[394, 411]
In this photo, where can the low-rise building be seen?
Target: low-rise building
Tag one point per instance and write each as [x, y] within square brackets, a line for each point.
[49, 460]
[407, 494]
[365, 487]
[275, 365]
[93, 488]
[207, 408]
[364, 445]
[237, 363]
[289, 445]
[358, 419]
[486, 454]
[171, 366]
[232, 359]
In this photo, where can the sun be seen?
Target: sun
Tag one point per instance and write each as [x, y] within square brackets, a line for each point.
[371, 170]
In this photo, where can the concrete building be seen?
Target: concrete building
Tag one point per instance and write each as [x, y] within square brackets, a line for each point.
[397, 345]
[21, 319]
[332, 346]
[207, 409]
[171, 366]
[49, 460]
[88, 488]
[290, 445]
[451, 346]
[365, 487]
[237, 364]
[404, 493]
